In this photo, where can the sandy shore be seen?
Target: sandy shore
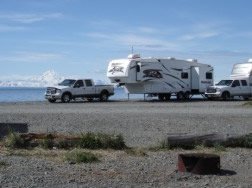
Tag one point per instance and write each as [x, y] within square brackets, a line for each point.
[142, 124]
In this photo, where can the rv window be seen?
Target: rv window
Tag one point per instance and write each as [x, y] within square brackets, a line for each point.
[244, 82]
[209, 75]
[184, 75]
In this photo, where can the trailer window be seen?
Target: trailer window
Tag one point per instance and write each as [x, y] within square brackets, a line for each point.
[244, 82]
[184, 75]
[209, 75]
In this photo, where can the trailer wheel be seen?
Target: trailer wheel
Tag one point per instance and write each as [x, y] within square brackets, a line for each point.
[66, 98]
[225, 95]
[180, 95]
[164, 97]
[187, 95]
[104, 96]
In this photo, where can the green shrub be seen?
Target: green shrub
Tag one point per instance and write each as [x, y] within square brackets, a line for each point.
[77, 156]
[219, 148]
[247, 104]
[101, 141]
[3, 164]
[14, 140]
[247, 141]
[47, 142]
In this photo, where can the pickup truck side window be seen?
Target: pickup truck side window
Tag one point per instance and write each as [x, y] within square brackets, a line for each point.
[236, 83]
[78, 83]
[244, 82]
[88, 83]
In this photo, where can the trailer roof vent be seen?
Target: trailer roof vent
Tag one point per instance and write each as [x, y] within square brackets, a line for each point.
[171, 58]
[133, 56]
[192, 60]
[250, 60]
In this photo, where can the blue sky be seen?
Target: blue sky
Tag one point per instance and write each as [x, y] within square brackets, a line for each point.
[79, 37]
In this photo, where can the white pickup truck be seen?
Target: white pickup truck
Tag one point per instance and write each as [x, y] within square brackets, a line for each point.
[239, 84]
[227, 89]
[82, 88]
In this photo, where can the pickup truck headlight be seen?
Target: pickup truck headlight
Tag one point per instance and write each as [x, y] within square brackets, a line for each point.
[218, 90]
[58, 91]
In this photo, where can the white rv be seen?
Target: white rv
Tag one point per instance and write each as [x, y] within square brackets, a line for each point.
[239, 84]
[161, 77]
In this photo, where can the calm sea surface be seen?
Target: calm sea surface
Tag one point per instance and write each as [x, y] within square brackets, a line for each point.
[22, 94]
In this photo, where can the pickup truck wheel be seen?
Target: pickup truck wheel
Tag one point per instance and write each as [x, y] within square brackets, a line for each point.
[66, 98]
[225, 96]
[104, 96]
[52, 100]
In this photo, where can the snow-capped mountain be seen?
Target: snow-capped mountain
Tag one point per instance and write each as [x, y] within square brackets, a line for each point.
[48, 78]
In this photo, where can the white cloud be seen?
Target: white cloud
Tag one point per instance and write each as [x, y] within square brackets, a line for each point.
[8, 28]
[200, 35]
[31, 57]
[30, 18]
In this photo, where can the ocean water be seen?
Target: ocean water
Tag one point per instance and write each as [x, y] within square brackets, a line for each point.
[23, 94]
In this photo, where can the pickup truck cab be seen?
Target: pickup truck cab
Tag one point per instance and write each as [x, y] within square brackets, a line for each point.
[227, 89]
[82, 88]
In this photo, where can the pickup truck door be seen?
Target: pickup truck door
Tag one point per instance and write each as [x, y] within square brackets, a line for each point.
[89, 87]
[236, 88]
[78, 88]
[245, 88]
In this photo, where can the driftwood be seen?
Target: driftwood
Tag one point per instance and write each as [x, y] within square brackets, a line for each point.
[209, 140]
[6, 128]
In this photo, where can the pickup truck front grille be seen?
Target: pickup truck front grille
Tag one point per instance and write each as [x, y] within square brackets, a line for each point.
[211, 90]
[50, 91]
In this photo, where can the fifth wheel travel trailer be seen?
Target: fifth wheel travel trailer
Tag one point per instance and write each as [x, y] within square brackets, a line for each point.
[161, 77]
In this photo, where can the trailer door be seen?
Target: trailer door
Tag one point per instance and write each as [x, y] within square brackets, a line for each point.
[195, 79]
[138, 71]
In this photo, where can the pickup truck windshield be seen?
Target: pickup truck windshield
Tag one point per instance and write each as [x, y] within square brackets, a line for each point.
[67, 82]
[225, 83]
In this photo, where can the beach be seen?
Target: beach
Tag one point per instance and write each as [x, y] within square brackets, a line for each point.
[143, 124]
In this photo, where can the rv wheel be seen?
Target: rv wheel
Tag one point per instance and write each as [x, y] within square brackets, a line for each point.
[164, 97]
[180, 95]
[187, 95]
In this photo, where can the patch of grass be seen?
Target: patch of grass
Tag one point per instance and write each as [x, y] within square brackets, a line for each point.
[219, 148]
[78, 156]
[47, 142]
[248, 103]
[136, 152]
[3, 164]
[14, 140]
[101, 141]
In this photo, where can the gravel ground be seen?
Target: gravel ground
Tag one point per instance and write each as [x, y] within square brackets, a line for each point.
[142, 124]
